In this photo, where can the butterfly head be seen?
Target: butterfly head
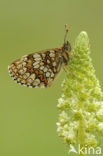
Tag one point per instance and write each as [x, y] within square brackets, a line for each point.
[67, 46]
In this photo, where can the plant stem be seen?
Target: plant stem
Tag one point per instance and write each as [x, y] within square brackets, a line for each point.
[81, 136]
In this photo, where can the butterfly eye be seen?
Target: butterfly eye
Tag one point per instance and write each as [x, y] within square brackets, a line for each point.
[67, 46]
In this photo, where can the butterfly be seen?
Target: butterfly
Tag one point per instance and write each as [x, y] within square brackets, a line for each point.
[39, 69]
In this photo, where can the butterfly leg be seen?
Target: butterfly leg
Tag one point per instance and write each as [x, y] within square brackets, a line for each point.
[66, 69]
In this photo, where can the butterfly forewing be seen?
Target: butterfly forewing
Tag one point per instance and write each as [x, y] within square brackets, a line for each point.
[38, 69]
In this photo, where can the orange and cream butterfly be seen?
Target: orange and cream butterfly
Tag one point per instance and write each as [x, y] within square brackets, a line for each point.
[39, 69]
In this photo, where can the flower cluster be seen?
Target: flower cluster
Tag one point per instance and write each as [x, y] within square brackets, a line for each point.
[81, 102]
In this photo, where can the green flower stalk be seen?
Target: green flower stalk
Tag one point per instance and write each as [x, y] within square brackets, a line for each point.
[81, 103]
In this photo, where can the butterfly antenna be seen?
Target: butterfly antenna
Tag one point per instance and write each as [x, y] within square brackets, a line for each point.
[66, 32]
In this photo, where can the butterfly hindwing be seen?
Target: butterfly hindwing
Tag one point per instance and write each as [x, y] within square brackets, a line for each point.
[38, 69]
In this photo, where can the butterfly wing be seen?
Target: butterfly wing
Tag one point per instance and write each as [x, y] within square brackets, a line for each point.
[38, 69]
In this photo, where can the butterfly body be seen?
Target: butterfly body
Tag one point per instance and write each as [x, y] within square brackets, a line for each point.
[39, 69]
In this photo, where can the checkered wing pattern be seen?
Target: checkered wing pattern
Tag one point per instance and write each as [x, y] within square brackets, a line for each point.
[38, 69]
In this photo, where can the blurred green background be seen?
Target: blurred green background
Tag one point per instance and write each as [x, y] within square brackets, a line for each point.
[28, 116]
